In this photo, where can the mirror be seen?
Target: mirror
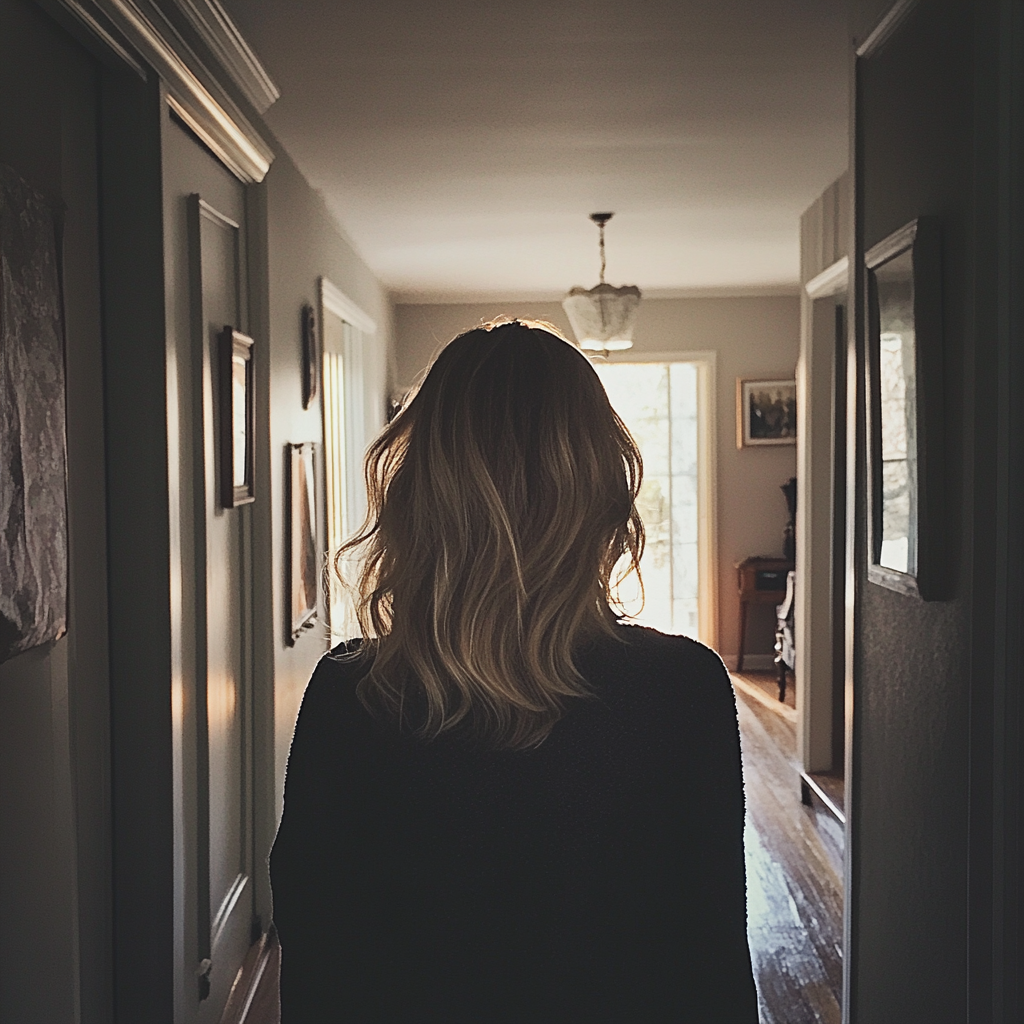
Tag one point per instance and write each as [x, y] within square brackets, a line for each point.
[894, 284]
[904, 392]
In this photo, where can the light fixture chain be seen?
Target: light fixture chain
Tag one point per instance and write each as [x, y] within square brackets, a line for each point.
[602, 252]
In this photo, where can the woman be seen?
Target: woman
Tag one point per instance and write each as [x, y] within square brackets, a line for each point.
[506, 806]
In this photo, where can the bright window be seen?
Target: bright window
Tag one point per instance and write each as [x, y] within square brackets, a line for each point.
[659, 403]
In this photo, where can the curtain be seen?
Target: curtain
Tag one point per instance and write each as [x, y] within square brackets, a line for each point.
[33, 485]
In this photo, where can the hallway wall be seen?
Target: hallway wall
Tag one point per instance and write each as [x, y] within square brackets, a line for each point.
[932, 114]
[54, 704]
[753, 336]
[88, 917]
[304, 243]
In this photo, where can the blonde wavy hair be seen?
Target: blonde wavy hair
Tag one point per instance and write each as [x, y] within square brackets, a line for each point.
[501, 499]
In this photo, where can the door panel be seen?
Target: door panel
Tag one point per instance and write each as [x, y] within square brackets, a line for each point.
[207, 277]
[228, 915]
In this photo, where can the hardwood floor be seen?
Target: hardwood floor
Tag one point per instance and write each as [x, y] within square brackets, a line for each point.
[794, 886]
[768, 684]
[794, 883]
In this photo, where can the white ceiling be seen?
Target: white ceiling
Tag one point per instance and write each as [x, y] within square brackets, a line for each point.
[462, 143]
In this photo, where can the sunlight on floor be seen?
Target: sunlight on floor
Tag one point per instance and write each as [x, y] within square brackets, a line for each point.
[794, 894]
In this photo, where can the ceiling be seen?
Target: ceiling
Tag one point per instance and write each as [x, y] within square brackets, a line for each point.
[461, 144]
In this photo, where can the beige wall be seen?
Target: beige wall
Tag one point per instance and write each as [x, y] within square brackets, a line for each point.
[304, 243]
[753, 337]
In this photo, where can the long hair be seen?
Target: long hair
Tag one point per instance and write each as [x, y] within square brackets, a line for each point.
[501, 498]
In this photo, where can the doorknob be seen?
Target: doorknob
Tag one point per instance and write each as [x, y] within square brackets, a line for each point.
[203, 972]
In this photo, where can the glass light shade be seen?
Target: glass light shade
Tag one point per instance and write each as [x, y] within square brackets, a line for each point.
[604, 316]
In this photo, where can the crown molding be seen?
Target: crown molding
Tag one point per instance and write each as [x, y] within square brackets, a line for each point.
[886, 28]
[833, 280]
[218, 33]
[140, 27]
[94, 30]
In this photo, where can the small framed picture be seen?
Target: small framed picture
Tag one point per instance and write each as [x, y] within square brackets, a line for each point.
[310, 357]
[765, 412]
[237, 419]
[303, 564]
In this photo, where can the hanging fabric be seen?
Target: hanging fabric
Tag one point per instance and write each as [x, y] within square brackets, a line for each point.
[33, 463]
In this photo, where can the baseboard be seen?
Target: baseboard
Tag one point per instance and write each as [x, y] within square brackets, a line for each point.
[811, 785]
[751, 662]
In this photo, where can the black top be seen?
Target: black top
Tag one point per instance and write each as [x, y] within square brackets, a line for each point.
[596, 878]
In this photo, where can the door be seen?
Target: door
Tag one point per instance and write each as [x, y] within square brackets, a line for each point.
[223, 539]
[345, 331]
[207, 275]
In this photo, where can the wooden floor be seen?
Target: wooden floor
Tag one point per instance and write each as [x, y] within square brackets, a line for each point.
[794, 886]
[768, 684]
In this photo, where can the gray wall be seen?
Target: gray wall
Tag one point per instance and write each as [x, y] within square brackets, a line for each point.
[304, 243]
[752, 336]
[54, 712]
[921, 810]
[86, 723]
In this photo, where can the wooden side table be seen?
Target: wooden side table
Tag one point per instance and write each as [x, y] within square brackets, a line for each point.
[761, 581]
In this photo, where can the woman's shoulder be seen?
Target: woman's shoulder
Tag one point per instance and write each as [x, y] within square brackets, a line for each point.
[668, 651]
[336, 676]
[676, 668]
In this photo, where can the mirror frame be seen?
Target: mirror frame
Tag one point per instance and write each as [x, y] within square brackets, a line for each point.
[922, 239]
[234, 343]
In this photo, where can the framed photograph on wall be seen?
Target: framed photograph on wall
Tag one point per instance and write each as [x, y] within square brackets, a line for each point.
[765, 412]
[237, 419]
[303, 563]
[310, 357]
[903, 387]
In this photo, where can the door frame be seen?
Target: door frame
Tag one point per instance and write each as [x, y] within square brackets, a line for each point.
[817, 574]
[353, 427]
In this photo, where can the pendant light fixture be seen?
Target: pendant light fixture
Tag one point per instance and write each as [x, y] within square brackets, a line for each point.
[603, 317]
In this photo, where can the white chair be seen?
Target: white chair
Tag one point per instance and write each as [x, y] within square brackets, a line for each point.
[785, 650]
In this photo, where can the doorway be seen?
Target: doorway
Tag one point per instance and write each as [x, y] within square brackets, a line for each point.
[346, 331]
[666, 402]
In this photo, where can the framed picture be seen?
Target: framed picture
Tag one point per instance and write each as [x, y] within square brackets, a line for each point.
[237, 419]
[310, 357]
[303, 563]
[903, 389]
[765, 412]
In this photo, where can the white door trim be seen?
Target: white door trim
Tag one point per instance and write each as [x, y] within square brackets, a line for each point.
[334, 299]
[833, 280]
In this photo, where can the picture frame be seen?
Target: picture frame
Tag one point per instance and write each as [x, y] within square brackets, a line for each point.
[237, 401]
[310, 356]
[303, 561]
[903, 387]
[765, 412]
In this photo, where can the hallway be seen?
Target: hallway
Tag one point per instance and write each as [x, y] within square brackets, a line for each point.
[248, 264]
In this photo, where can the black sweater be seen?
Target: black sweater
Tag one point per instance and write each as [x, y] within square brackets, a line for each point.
[596, 878]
